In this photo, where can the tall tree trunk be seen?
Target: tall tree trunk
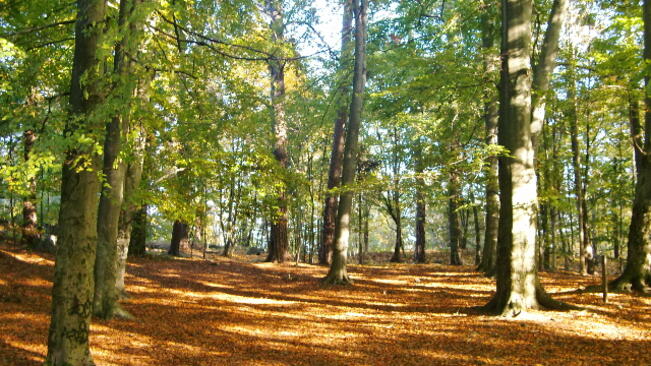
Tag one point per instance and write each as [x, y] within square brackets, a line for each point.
[105, 304]
[419, 248]
[338, 273]
[72, 293]
[487, 264]
[396, 257]
[129, 207]
[454, 222]
[546, 63]
[475, 216]
[584, 253]
[337, 154]
[179, 238]
[31, 235]
[279, 251]
[637, 272]
[518, 287]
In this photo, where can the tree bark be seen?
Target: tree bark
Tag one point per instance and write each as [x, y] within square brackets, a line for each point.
[279, 251]
[138, 237]
[546, 63]
[179, 238]
[337, 154]
[30, 233]
[105, 304]
[637, 272]
[454, 222]
[128, 211]
[338, 273]
[518, 287]
[584, 237]
[487, 264]
[72, 293]
[419, 248]
[475, 216]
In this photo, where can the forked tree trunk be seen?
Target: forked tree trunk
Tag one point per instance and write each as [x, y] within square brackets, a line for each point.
[337, 154]
[518, 286]
[72, 293]
[105, 304]
[637, 273]
[128, 211]
[338, 273]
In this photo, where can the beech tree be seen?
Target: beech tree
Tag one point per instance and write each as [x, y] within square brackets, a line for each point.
[72, 293]
[338, 273]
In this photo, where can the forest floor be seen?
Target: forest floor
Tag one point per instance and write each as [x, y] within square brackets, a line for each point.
[238, 312]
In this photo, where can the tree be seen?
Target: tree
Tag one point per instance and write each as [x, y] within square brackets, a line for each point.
[72, 293]
[637, 272]
[279, 244]
[105, 303]
[338, 273]
[518, 285]
[338, 140]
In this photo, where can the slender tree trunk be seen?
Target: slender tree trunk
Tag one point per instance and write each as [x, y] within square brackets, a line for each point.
[487, 264]
[546, 63]
[584, 254]
[475, 217]
[337, 154]
[419, 248]
[518, 286]
[31, 235]
[637, 272]
[72, 293]
[454, 223]
[396, 257]
[338, 273]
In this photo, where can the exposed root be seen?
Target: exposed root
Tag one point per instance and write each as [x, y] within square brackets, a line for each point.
[549, 303]
[334, 279]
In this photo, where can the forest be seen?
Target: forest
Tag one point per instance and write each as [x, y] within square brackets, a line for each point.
[352, 182]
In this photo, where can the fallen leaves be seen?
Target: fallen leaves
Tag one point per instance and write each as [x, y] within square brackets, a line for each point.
[193, 312]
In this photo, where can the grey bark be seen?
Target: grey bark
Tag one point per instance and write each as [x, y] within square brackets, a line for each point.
[487, 264]
[105, 303]
[337, 154]
[338, 273]
[518, 287]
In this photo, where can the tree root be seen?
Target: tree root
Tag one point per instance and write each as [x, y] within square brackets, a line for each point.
[334, 279]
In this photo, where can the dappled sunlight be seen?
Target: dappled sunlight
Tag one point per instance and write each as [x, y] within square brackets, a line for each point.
[225, 311]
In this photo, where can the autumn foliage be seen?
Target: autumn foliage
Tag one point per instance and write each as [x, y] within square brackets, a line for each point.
[236, 312]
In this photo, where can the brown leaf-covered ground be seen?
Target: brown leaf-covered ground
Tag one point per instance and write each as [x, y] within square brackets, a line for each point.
[235, 312]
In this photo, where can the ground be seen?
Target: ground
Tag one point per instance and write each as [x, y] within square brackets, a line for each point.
[234, 312]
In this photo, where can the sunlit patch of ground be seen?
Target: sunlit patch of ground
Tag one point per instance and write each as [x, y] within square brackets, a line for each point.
[234, 312]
